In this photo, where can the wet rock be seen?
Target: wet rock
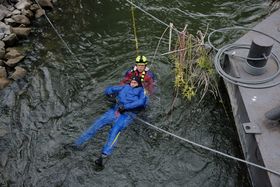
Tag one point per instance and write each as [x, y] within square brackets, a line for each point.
[27, 13]
[12, 53]
[16, 12]
[47, 4]
[4, 83]
[40, 12]
[21, 32]
[21, 19]
[2, 63]
[19, 73]
[4, 12]
[3, 73]
[2, 44]
[4, 29]
[34, 7]
[10, 40]
[3, 2]
[10, 8]
[14, 61]
[10, 21]
[9, 49]
[23, 4]
[2, 49]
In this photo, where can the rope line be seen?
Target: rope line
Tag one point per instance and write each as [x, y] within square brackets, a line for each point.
[152, 16]
[247, 83]
[236, 28]
[149, 124]
[134, 30]
[209, 149]
[66, 45]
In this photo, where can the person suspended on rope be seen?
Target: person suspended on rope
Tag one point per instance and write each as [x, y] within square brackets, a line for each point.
[130, 100]
[141, 70]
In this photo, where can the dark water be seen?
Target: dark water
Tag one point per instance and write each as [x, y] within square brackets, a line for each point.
[57, 100]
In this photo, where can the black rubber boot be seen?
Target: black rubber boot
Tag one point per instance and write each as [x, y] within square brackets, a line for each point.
[99, 163]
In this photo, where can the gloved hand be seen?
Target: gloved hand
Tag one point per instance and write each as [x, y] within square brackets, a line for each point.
[121, 109]
[111, 98]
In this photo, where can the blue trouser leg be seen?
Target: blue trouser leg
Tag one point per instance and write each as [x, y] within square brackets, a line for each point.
[107, 118]
[122, 122]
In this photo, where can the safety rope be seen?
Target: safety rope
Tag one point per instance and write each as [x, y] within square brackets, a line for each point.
[209, 149]
[162, 130]
[152, 16]
[134, 29]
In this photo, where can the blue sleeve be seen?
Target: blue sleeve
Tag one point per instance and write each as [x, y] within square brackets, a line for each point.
[113, 89]
[140, 102]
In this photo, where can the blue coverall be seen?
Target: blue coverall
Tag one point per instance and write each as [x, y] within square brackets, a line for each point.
[131, 99]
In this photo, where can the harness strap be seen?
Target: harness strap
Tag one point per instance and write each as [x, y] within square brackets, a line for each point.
[133, 70]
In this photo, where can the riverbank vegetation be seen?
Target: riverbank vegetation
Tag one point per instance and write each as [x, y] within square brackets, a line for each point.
[194, 70]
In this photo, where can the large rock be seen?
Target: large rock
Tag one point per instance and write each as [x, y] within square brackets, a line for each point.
[40, 12]
[21, 32]
[47, 4]
[4, 12]
[2, 44]
[10, 40]
[14, 61]
[27, 13]
[10, 21]
[4, 83]
[16, 12]
[10, 7]
[3, 72]
[19, 73]
[34, 7]
[23, 4]
[21, 19]
[4, 29]
[12, 53]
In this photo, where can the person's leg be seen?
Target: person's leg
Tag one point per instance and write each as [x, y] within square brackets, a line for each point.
[122, 122]
[105, 119]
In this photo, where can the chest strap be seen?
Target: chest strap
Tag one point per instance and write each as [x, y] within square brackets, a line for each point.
[142, 76]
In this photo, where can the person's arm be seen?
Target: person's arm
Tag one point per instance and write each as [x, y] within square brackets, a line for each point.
[113, 89]
[140, 102]
[126, 78]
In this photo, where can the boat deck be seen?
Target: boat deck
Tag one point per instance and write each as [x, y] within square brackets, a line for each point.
[250, 105]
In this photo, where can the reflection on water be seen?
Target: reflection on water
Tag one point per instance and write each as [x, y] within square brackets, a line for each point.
[58, 100]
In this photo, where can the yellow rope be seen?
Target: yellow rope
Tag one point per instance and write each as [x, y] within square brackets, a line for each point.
[134, 30]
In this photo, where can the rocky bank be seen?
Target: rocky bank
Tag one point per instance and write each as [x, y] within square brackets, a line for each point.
[15, 24]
